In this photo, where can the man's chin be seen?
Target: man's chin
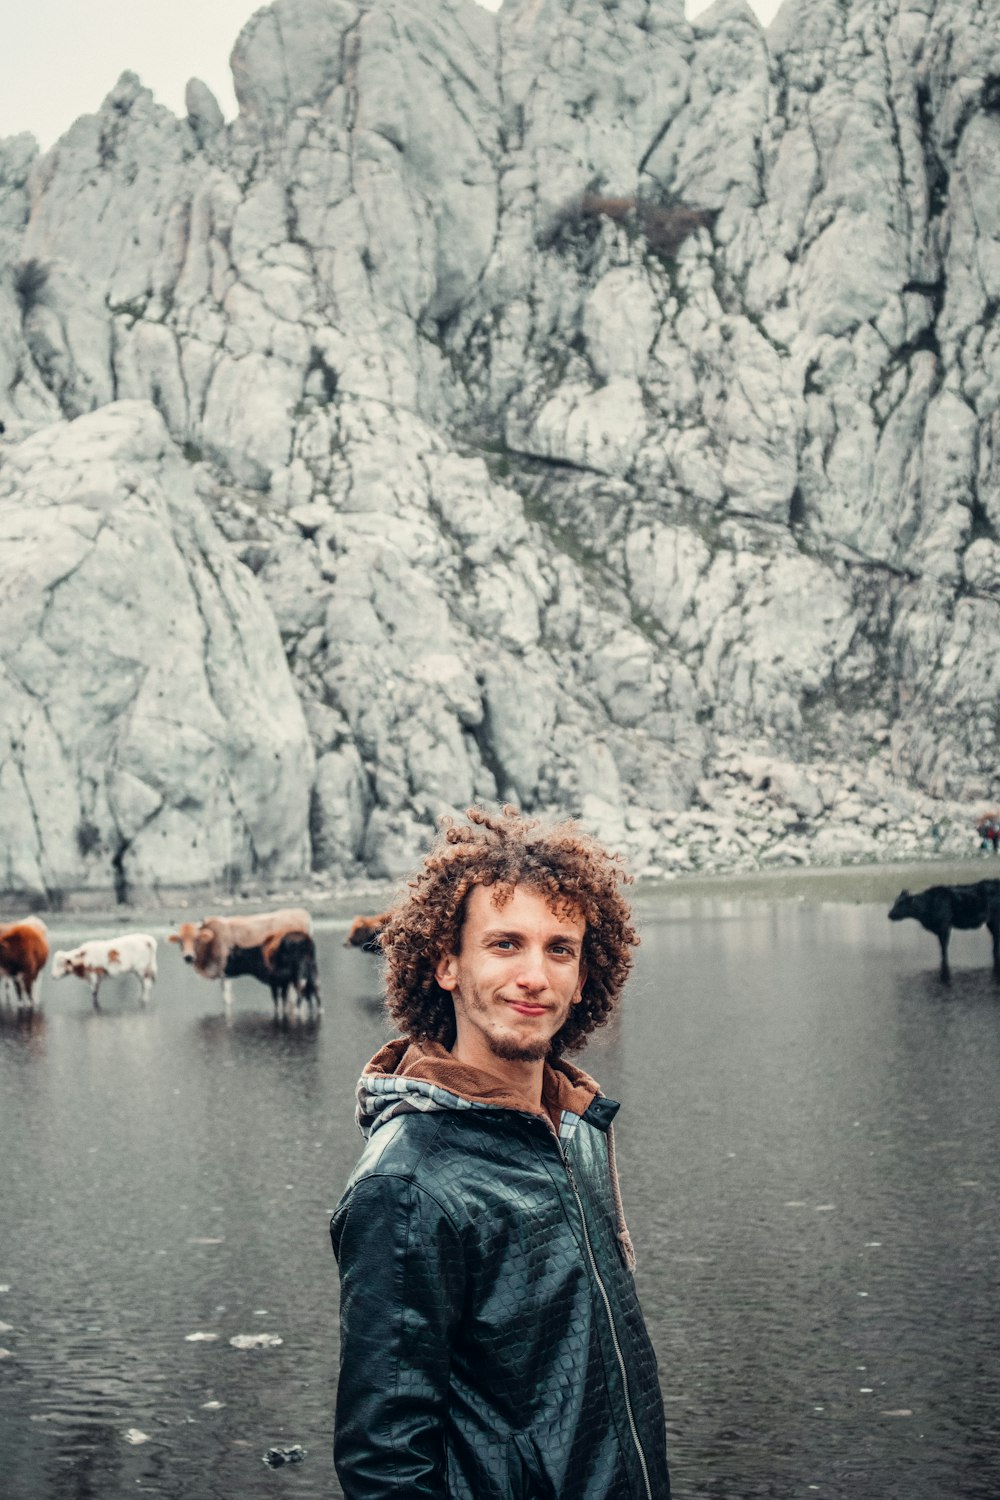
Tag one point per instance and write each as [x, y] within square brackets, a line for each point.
[511, 1050]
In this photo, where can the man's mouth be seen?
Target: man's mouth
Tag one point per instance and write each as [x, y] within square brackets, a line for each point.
[526, 1008]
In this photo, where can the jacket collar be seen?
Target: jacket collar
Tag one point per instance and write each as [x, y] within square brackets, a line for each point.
[409, 1075]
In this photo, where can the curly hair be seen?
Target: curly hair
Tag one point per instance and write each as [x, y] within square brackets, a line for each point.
[571, 870]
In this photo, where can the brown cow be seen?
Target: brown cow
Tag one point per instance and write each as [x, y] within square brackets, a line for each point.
[207, 944]
[24, 952]
[365, 932]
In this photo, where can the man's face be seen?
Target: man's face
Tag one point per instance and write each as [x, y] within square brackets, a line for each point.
[515, 978]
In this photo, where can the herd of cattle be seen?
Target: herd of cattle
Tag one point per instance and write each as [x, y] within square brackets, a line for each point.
[276, 947]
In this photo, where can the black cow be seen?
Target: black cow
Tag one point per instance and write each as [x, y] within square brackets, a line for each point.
[943, 907]
[285, 962]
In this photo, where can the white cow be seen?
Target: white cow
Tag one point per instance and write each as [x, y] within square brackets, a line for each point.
[134, 953]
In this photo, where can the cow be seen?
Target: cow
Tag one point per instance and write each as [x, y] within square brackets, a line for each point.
[207, 944]
[24, 952]
[286, 962]
[364, 932]
[942, 907]
[104, 958]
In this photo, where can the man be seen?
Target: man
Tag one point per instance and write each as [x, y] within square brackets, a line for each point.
[492, 1347]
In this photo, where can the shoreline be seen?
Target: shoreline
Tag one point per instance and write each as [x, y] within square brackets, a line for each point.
[864, 883]
[867, 882]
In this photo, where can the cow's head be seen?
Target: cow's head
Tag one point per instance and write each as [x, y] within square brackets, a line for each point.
[202, 945]
[62, 964]
[901, 907]
[211, 950]
[365, 932]
[186, 936]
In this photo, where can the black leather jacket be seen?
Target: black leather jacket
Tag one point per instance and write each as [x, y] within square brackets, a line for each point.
[492, 1347]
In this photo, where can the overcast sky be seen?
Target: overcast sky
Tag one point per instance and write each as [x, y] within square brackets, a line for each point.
[59, 58]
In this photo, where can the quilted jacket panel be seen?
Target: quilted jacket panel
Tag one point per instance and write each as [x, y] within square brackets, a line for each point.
[492, 1344]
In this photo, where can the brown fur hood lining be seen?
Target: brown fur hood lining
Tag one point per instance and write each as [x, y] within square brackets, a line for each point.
[426, 1076]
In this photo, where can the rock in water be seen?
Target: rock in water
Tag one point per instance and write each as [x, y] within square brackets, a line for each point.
[275, 1457]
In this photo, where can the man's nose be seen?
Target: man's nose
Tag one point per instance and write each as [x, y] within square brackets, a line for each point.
[531, 975]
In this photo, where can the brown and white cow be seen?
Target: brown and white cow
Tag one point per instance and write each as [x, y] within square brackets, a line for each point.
[103, 958]
[207, 944]
[364, 932]
[24, 952]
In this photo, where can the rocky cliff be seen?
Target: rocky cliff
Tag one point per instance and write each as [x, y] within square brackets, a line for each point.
[572, 405]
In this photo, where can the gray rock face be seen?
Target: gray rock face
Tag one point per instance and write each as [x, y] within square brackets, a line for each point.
[587, 399]
[151, 732]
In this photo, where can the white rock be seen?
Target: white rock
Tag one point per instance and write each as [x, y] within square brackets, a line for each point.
[516, 470]
[621, 318]
[156, 652]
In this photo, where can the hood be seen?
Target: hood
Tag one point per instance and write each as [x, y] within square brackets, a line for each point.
[407, 1075]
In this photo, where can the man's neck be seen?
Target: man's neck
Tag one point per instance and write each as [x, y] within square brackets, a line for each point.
[523, 1078]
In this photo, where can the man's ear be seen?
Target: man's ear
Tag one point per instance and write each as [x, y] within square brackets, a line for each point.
[446, 971]
[580, 984]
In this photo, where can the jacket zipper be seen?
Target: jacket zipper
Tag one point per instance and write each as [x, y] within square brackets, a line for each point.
[611, 1323]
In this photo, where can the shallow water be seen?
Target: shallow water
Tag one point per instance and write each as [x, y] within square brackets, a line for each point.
[809, 1164]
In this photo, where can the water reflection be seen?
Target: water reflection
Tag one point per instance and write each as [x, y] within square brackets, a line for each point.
[260, 1030]
[807, 1149]
[24, 1026]
[372, 1005]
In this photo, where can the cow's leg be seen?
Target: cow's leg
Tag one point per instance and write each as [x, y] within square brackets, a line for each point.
[943, 940]
[227, 992]
[993, 923]
[95, 985]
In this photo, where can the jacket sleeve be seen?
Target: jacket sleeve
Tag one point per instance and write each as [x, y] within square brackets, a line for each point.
[401, 1294]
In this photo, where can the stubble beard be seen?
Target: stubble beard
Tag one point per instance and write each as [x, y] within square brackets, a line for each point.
[507, 1048]
[511, 1051]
